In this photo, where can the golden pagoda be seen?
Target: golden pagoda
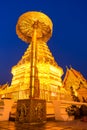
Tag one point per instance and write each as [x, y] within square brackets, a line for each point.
[36, 75]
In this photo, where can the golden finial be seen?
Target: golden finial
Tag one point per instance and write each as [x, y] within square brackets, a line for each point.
[29, 21]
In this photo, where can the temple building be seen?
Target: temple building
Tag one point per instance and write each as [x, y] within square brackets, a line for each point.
[75, 81]
[37, 68]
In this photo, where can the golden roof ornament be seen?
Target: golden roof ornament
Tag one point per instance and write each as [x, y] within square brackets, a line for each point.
[29, 21]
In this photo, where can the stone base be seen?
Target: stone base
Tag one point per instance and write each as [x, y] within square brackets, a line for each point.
[32, 111]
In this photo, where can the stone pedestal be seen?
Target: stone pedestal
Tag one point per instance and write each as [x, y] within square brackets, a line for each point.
[31, 111]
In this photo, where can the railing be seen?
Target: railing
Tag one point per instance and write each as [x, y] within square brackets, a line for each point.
[73, 103]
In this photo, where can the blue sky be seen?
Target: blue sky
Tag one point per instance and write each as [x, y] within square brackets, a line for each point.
[69, 40]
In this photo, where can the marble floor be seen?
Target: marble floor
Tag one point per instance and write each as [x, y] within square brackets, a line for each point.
[49, 125]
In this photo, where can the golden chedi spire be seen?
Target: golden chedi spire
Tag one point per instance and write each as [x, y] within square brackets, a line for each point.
[36, 75]
[32, 27]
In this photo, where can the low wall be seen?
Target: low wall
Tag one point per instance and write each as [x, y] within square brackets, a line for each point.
[5, 108]
[56, 108]
[60, 109]
[49, 110]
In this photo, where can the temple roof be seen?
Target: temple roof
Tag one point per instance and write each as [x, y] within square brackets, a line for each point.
[74, 78]
[2, 87]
